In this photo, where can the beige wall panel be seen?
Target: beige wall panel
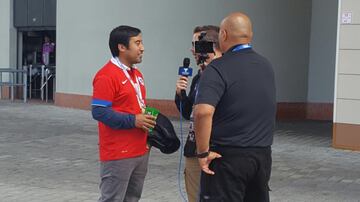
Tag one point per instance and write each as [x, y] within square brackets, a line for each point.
[349, 37]
[348, 87]
[348, 111]
[352, 6]
[4, 34]
[7, 36]
[349, 61]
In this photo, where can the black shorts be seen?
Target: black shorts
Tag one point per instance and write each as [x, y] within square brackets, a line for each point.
[241, 175]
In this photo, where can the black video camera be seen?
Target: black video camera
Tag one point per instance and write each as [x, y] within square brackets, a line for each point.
[203, 47]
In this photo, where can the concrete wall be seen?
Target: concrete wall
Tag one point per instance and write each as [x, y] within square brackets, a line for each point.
[282, 33]
[347, 96]
[322, 51]
[348, 73]
[7, 35]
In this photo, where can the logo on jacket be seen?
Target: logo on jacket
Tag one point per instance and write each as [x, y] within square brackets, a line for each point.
[141, 81]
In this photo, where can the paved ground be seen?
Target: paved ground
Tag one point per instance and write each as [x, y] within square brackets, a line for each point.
[49, 154]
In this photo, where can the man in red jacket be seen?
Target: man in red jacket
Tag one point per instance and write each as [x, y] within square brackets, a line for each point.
[118, 104]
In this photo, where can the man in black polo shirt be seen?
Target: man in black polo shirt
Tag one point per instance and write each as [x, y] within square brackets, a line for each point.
[235, 117]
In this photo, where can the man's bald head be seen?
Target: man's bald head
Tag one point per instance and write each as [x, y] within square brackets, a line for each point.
[235, 29]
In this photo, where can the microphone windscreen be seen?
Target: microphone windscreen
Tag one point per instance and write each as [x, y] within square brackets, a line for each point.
[186, 62]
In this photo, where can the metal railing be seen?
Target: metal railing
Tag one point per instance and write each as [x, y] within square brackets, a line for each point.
[46, 73]
[14, 75]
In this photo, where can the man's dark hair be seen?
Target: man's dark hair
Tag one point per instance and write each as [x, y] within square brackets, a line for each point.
[206, 28]
[121, 35]
[212, 33]
[213, 36]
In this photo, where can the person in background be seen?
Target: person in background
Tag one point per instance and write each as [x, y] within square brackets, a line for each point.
[47, 48]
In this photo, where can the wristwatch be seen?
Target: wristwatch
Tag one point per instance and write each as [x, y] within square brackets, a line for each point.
[203, 155]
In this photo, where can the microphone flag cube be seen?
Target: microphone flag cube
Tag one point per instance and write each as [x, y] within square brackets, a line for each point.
[185, 71]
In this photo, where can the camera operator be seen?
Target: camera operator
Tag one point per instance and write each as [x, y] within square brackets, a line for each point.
[205, 48]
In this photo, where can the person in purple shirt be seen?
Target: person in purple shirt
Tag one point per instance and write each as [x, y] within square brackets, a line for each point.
[47, 48]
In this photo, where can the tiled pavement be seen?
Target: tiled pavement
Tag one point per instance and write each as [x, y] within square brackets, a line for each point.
[49, 153]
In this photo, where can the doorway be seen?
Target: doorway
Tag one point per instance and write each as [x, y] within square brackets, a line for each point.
[39, 56]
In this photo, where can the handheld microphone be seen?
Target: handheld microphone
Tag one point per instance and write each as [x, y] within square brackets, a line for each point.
[185, 70]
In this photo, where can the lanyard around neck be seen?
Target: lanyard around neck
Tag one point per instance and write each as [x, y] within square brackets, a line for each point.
[136, 85]
[241, 47]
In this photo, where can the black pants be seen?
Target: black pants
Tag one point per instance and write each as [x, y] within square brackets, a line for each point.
[241, 175]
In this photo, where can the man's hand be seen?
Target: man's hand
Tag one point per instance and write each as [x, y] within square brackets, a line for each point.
[205, 162]
[145, 121]
[181, 84]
